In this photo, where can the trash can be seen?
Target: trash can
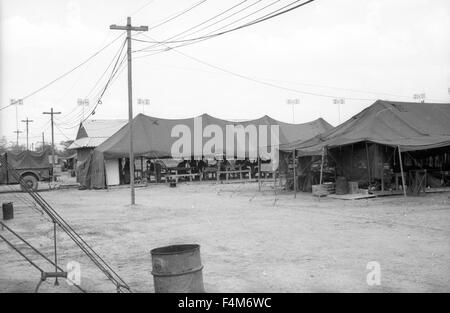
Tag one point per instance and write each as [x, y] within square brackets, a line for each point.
[177, 269]
[341, 185]
[8, 211]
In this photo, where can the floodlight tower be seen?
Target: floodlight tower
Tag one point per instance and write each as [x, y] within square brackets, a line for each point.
[84, 103]
[143, 102]
[293, 102]
[339, 101]
[420, 97]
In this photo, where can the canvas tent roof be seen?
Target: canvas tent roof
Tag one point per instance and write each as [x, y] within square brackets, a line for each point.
[92, 133]
[152, 135]
[410, 125]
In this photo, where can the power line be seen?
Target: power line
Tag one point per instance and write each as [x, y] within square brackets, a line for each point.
[208, 20]
[70, 114]
[244, 17]
[294, 82]
[66, 73]
[210, 35]
[114, 72]
[103, 89]
[197, 25]
[256, 21]
[264, 82]
[61, 132]
[177, 15]
[142, 7]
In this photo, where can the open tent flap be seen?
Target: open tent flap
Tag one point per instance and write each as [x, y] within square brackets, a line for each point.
[408, 125]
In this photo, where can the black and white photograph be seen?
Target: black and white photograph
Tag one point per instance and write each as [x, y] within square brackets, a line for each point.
[224, 152]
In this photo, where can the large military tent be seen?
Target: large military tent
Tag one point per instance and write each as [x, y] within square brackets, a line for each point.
[154, 138]
[90, 134]
[367, 146]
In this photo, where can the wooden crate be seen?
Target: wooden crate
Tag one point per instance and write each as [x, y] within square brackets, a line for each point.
[352, 187]
[323, 190]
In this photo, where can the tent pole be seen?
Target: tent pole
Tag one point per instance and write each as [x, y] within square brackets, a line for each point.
[295, 178]
[368, 163]
[321, 166]
[401, 169]
[106, 177]
[142, 168]
[259, 172]
[218, 171]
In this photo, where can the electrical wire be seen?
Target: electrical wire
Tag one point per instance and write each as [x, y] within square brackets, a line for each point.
[115, 70]
[177, 15]
[70, 115]
[100, 93]
[208, 36]
[208, 20]
[141, 8]
[66, 73]
[202, 23]
[213, 35]
[264, 82]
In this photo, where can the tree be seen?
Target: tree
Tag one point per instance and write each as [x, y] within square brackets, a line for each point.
[3, 144]
[65, 145]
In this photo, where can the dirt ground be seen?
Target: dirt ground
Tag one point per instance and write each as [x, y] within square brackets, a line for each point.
[250, 241]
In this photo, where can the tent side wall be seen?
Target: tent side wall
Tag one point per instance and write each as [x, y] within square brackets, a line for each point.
[362, 162]
[90, 168]
[364, 166]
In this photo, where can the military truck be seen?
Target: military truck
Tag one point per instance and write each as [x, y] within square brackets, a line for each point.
[31, 166]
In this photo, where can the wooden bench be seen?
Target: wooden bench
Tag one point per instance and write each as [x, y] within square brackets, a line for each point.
[240, 172]
[209, 170]
[177, 176]
[173, 173]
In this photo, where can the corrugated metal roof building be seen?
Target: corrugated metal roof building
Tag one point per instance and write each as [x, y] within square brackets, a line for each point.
[92, 133]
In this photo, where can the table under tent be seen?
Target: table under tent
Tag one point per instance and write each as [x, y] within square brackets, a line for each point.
[388, 148]
[154, 140]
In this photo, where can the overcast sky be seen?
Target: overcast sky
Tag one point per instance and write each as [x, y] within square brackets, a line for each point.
[361, 50]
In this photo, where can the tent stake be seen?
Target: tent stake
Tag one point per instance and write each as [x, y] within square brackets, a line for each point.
[401, 169]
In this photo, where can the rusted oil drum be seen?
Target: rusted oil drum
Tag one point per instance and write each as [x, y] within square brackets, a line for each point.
[341, 185]
[8, 211]
[177, 269]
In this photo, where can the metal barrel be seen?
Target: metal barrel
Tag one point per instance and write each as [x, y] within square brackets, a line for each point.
[177, 269]
[341, 185]
[8, 211]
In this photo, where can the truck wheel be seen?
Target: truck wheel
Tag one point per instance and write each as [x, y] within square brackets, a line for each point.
[30, 181]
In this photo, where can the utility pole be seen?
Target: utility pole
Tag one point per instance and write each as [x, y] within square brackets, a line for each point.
[53, 139]
[27, 121]
[130, 28]
[17, 138]
[17, 102]
[43, 142]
